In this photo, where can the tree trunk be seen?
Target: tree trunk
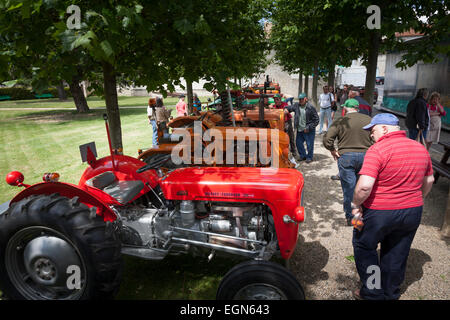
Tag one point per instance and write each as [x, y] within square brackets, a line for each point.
[61, 93]
[331, 76]
[374, 46]
[300, 82]
[78, 96]
[112, 106]
[306, 85]
[315, 82]
[190, 96]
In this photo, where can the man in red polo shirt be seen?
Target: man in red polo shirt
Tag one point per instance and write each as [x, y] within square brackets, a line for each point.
[395, 177]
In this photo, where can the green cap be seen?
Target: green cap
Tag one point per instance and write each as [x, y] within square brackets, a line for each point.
[351, 103]
[302, 95]
[277, 96]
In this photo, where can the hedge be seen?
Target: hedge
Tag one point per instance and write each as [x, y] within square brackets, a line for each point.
[21, 93]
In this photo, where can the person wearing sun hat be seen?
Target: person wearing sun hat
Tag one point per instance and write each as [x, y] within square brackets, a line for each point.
[306, 120]
[396, 176]
[352, 142]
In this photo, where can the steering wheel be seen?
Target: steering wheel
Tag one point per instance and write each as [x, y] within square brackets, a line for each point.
[155, 162]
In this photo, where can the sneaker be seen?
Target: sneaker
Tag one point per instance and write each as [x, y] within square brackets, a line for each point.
[336, 177]
[308, 160]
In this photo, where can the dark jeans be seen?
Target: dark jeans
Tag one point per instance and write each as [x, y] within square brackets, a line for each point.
[303, 137]
[349, 165]
[413, 133]
[288, 128]
[395, 230]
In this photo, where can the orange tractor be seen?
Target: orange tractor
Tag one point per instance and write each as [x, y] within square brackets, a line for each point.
[251, 134]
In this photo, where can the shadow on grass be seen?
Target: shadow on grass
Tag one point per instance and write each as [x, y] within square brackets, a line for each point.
[175, 277]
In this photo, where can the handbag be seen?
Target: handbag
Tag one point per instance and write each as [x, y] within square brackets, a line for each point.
[333, 103]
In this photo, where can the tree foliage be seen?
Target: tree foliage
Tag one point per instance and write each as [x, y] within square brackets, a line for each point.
[32, 51]
[140, 42]
[336, 30]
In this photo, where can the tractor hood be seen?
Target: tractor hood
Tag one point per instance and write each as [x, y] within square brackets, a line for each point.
[234, 184]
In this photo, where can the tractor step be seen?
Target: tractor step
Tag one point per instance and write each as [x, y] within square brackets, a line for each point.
[144, 253]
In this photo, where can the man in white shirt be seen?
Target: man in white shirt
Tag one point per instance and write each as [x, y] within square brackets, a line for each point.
[325, 101]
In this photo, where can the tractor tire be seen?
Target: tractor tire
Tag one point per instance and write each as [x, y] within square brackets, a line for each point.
[53, 247]
[259, 280]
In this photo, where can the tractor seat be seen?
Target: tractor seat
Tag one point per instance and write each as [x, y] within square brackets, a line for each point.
[122, 191]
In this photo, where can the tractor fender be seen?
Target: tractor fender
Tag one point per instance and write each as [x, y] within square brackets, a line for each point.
[125, 169]
[70, 191]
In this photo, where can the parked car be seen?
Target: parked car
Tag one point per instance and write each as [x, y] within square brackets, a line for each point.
[379, 80]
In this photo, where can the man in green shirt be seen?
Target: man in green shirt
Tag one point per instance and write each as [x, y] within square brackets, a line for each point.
[353, 142]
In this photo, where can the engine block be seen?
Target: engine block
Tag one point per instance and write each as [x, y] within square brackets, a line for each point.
[244, 229]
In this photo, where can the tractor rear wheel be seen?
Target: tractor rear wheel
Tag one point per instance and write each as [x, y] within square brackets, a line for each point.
[259, 280]
[53, 247]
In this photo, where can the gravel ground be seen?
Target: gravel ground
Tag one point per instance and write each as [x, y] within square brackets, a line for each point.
[323, 259]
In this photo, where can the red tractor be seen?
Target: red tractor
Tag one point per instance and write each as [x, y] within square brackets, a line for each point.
[64, 241]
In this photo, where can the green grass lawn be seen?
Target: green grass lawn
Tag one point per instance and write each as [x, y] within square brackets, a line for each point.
[35, 142]
[38, 141]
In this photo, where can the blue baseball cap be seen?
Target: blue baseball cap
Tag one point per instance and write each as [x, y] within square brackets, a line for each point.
[302, 95]
[382, 118]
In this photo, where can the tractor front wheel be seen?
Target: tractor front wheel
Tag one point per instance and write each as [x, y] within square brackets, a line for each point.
[53, 247]
[259, 280]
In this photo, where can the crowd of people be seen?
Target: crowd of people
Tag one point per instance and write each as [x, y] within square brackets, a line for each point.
[380, 180]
